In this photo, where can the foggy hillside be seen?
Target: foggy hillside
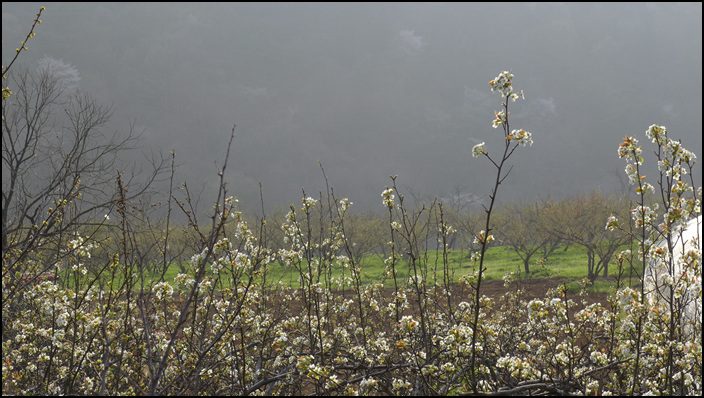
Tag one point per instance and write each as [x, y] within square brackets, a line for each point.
[373, 90]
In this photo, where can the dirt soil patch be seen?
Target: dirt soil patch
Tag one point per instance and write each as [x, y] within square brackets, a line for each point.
[536, 288]
[533, 288]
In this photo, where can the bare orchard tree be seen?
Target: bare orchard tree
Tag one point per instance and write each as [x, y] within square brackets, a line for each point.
[518, 227]
[55, 151]
[578, 220]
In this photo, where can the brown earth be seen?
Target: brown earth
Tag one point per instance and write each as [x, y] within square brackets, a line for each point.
[533, 288]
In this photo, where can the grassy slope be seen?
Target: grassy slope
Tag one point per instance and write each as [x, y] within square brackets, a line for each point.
[570, 263]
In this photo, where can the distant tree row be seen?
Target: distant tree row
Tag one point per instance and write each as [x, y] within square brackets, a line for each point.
[533, 230]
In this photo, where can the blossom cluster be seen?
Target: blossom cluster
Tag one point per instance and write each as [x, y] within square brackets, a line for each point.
[502, 84]
[388, 197]
[520, 136]
[478, 150]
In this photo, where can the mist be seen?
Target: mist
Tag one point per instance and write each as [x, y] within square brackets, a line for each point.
[375, 90]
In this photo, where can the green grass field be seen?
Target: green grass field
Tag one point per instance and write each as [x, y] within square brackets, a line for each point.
[564, 262]
[569, 263]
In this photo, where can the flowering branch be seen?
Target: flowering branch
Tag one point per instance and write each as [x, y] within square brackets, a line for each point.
[6, 90]
[514, 138]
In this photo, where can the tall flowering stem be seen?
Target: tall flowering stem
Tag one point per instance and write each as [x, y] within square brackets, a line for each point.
[663, 273]
[512, 139]
[388, 200]
[631, 151]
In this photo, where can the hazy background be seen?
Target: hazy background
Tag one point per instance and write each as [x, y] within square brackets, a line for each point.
[373, 90]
